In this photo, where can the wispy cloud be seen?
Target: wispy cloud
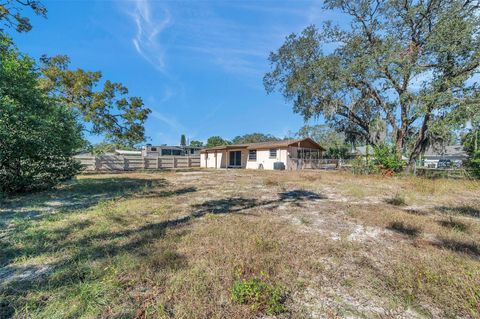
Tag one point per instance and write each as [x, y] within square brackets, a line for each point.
[227, 41]
[231, 41]
[171, 133]
[170, 121]
[149, 26]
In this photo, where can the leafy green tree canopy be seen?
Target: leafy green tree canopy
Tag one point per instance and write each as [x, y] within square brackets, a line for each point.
[334, 142]
[183, 140]
[254, 138]
[11, 14]
[195, 143]
[108, 108]
[104, 147]
[216, 141]
[405, 66]
[38, 134]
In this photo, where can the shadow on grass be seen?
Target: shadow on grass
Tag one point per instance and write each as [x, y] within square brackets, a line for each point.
[93, 248]
[472, 249]
[404, 229]
[468, 211]
[79, 194]
[416, 212]
[301, 195]
[168, 193]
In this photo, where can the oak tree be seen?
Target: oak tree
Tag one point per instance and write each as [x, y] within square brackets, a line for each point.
[406, 66]
[105, 108]
[11, 15]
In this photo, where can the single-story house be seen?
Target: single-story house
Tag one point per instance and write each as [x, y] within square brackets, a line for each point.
[165, 150]
[455, 153]
[284, 154]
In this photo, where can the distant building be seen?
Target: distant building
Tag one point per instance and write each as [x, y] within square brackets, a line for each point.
[362, 151]
[166, 150]
[125, 152]
[453, 153]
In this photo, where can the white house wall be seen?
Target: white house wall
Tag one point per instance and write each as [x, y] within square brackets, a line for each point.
[263, 158]
[212, 160]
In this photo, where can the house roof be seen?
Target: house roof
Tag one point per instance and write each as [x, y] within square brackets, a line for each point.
[173, 147]
[450, 151]
[362, 150]
[266, 145]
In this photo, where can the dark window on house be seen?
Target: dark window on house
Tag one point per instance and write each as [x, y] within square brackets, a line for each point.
[153, 149]
[252, 155]
[166, 152]
[235, 158]
[273, 153]
[176, 152]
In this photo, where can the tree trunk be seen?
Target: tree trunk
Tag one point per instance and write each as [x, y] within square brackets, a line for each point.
[420, 143]
[412, 162]
[399, 142]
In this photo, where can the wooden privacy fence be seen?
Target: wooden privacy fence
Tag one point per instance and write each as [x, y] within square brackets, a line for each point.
[131, 163]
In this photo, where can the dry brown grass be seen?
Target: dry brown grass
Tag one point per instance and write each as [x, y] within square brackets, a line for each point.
[172, 244]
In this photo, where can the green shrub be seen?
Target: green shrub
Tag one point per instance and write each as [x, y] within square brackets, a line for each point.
[474, 164]
[386, 158]
[361, 166]
[38, 135]
[260, 295]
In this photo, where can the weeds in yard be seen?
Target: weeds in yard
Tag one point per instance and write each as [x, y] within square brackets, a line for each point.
[260, 295]
[397, 200]
[464, 210]
[305, 221]
[470, 248]
[164, 245]
[454, 225]
[356, 191]
[167, 259]
[310, 177]
[272, 182]
[430, 279]
[266, 244]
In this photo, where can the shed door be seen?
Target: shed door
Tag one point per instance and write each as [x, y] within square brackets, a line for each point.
[235, 158]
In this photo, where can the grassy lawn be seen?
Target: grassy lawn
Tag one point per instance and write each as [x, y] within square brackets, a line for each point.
[240, 244]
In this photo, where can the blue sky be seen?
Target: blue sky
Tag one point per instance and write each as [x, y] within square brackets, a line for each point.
[197, 64]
